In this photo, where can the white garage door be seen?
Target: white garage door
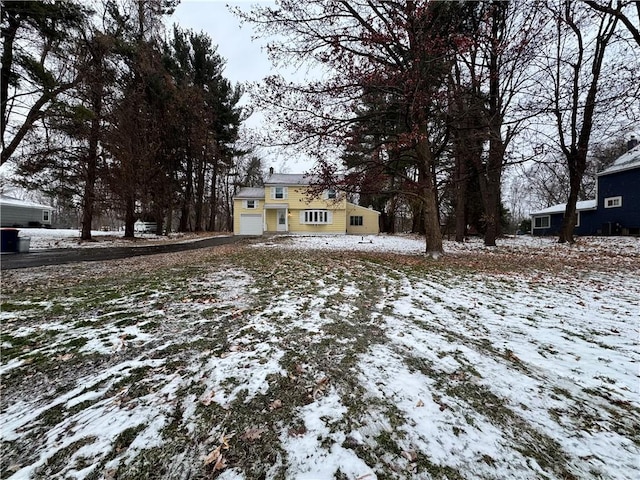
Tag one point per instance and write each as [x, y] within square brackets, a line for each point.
[250, 224]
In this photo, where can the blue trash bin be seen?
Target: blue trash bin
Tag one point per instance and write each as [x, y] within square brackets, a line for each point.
[9, 240]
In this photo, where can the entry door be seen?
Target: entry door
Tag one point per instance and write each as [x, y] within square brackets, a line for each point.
[282, 220]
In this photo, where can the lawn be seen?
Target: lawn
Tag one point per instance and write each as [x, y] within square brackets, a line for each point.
[320, 358]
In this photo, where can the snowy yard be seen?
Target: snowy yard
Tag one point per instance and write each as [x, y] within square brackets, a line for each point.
[319, 358]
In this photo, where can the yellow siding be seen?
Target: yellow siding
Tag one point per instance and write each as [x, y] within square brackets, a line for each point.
[297, 202]
[239, 209]
[370, 220]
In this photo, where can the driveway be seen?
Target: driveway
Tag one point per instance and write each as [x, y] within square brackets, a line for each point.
[59, 256]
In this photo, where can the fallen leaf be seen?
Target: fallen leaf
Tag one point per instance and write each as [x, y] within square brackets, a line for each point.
[206, 401]
[297, 432]
[213, 456]
[410, 455]
[220, 463]
[275, 404]
[224, 441]
[252, 434]
[420, 403]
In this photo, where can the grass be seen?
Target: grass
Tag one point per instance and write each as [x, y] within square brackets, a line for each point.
[384, 360]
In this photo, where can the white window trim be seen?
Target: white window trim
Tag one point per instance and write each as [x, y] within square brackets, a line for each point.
[326, 196]
[285, 193]
[316, 217]
[256, 204]
[548, 217]
[577, 219]
[613, 202]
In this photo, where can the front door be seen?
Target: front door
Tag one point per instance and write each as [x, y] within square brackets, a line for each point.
[282, 220]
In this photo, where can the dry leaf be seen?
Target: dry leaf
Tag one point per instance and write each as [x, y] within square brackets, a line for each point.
[220, 463]
[420, 403]
[206, 401]
[252, 434]
[213, 456]
[410, 455]
[275, 404]
[224, 441]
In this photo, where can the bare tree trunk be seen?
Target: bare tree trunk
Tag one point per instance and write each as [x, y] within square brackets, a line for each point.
[213, 201]
[433, 235]
[129, 217]
[199, 194]
[577, 166]
[460, 185]
[185, 209]
[89, 197]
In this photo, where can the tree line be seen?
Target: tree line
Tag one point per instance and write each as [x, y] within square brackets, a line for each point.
[417, 108]
[428, 103]
[105, 110]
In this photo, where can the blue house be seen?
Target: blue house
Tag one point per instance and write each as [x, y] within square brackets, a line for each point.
[614, 211]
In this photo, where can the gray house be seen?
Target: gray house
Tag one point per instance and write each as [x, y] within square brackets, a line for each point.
[22, 213]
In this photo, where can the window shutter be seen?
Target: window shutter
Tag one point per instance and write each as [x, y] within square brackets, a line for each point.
[273, 193]
[285, 192]
[330, 216]
[302, 212]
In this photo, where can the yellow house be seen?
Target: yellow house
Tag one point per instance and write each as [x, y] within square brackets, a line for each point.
[285, 206]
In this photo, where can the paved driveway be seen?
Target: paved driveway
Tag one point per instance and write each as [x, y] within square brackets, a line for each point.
[60, 256]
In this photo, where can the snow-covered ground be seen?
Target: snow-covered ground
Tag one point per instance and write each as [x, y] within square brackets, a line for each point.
[328, 357]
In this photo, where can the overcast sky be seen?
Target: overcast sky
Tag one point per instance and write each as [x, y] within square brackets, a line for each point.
[246, 61]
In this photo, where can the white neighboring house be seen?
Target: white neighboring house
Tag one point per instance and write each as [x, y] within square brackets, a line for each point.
[22, 213]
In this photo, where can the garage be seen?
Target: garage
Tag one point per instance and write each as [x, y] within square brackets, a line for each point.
[250, 224]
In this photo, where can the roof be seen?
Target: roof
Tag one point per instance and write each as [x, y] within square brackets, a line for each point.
[7, 200]
[250, 193]
[360, 207]
[561, 207]
[289, 179]
[629, 160]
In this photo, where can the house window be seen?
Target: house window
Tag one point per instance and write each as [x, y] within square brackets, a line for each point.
[355, 220]
[315, 217]
[542, 222]
[577, 219]
[612, 202]
[330, 194]
[251, 204]
[45, 215]
[279, 193]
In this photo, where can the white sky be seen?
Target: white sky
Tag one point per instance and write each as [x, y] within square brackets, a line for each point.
[246, 61]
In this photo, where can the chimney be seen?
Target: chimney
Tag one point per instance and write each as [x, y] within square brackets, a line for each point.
[271, 169]
[632, 143]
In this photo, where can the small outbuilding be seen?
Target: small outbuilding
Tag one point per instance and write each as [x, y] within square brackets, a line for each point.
[21, 213]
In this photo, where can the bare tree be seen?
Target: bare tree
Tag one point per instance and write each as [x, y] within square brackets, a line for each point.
[36, 67]
[591, 75]
[400, 50]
